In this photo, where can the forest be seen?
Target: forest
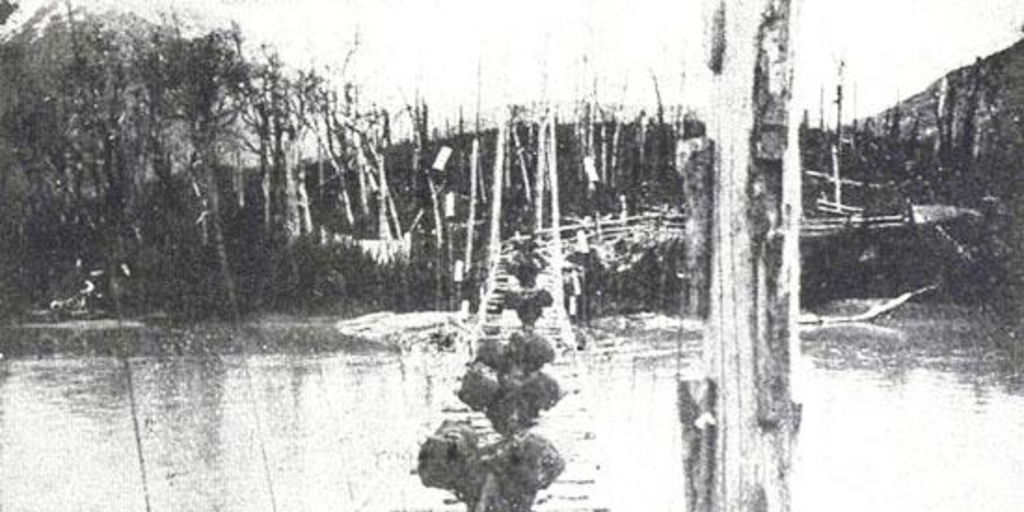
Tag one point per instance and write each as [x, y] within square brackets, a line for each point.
[193, 173]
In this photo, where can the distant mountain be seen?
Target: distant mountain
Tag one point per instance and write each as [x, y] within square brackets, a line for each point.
[30, 19]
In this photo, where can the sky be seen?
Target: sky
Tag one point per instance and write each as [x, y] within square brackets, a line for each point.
[531, 50]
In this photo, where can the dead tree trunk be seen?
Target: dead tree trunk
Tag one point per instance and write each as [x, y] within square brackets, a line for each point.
[305, 213]
[265, 180]
[435, 207]
[474, 162]
[739, 428]
[383, 229]
[326, 142]
[613, 157]
[292, 209]
[552, 168]
[640, 173]
[518, 147]
[539, 178]
[361, 170]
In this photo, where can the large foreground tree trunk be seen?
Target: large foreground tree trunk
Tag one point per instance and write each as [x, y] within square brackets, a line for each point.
[740, 427]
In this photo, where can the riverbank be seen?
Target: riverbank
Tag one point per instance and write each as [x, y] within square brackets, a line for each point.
[429, 330]
[288, 334]
[160, 337]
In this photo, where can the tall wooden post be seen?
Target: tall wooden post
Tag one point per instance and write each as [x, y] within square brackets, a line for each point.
[494, 249]
[552, 169]
[540, 177]
[740, 425]
[474, 161]
[837, 148]
[557, 258]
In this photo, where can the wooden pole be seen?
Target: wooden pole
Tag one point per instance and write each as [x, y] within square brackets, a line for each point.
[837, 148]
[438, 240]
[474, 162]
[557, 254]
[449, 217]
[540, 178]
[494, 253]
[739, 423]
[553, 175]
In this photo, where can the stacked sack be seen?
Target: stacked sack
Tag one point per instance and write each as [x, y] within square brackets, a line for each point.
[504, 381]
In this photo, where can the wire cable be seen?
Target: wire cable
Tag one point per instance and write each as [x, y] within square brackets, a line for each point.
[126, 363]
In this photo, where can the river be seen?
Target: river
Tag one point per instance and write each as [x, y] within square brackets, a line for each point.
[923, 412]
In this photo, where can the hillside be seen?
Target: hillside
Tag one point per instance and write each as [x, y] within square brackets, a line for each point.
[974, 117]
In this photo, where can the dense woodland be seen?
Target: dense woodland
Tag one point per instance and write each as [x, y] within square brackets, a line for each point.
[188, 172]
[122, 148]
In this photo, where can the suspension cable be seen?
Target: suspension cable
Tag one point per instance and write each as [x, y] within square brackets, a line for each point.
[115, 293]
[135, 422]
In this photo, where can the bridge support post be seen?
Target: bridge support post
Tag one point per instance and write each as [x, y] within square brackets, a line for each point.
[494, 240]
[739, 423]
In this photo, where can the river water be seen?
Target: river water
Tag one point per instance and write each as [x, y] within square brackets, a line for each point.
[920, 413]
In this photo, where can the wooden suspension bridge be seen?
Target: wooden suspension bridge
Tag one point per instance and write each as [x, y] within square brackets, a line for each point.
[495, 319]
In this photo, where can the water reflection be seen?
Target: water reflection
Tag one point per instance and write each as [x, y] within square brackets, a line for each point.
[921, 413]
[929, 419]
[925, 443]
[181, 404]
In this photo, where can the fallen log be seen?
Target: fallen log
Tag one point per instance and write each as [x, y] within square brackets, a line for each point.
[872, 313]
[403, 330]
